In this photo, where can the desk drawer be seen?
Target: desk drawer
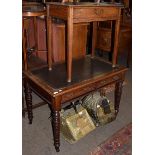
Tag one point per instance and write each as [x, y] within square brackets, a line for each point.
[95, 13]
[107, 81]
[91, 87]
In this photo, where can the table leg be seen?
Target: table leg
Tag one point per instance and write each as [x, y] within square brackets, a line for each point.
[35, 34]
[118, 93]
[24, 43]
[56, 107]
[49, 41]
[69, 44]
[56, 129]
[28, 99]
[94, 37]
[116, 41]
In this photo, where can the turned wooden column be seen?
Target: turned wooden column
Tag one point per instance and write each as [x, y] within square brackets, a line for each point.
[28, 99]
[56, 107]
[118, 93]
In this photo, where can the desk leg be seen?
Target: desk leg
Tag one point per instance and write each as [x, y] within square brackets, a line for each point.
[56, 129]
[28, 99]
[56, 104]
[49, 41]
[69, 44]
[118, 93]
[116, 41]
[94, 37]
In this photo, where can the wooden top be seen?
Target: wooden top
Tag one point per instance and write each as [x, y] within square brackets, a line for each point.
[84, 70]
[33, 7]
[82, 4]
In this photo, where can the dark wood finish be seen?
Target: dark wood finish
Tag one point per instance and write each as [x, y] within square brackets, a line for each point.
[33, 64]
[56, 129]
[88, 75]
[56, 121]
[84, 12]
[28, 98]
[118, 92]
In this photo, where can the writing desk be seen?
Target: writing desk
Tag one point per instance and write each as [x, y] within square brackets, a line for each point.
[79, 13]
[89, 74]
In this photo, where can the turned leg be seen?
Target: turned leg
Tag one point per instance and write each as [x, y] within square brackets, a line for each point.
[55, 111]
[28, 99]
[118, 93]
[56, 129]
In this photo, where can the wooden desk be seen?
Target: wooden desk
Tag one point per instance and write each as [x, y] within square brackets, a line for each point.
[88, 75]
[79, 13]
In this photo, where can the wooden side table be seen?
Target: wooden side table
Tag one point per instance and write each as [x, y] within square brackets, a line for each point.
[30, 11]
[89, 75]
[79, 13]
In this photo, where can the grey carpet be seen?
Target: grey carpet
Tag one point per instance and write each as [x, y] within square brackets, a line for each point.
[38, 139]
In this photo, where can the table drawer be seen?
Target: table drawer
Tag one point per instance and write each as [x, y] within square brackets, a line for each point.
[91, 87]
[95, 13]
[107, 81]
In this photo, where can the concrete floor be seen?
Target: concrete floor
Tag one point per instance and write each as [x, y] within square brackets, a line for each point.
[38, 138]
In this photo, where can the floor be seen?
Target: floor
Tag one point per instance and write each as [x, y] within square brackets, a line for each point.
[38, 138]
